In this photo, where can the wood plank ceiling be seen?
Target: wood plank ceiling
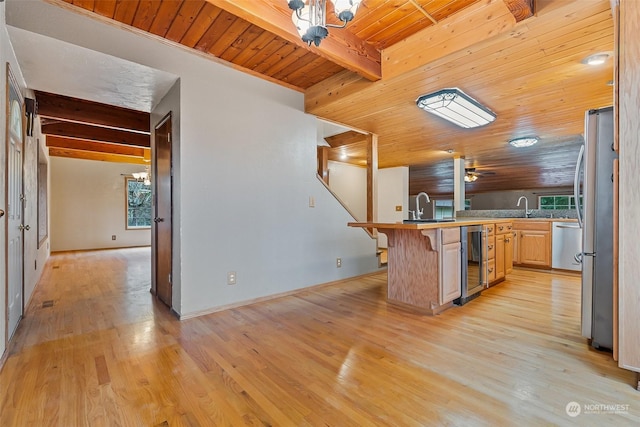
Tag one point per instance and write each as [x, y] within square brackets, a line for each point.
[524, 66]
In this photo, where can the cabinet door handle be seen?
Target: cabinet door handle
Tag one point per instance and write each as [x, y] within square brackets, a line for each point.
[491, 270]
[507, 240]
[501, 228]
[490, 247]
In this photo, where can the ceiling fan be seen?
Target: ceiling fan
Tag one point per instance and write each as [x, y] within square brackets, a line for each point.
[471, 174]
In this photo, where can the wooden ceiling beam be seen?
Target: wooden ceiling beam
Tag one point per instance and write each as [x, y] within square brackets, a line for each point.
[474, 24]
[341, 46]
[520, 9]
[91, 155]
[61, 107]
[94, 146]
[96, 133]
[346, 138]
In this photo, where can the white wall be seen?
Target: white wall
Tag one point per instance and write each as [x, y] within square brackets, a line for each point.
[393, 190]
[247, 169]
[88, 205]
[349, 183]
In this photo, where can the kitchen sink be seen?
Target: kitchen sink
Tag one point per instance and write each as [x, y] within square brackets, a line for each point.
[427, 220]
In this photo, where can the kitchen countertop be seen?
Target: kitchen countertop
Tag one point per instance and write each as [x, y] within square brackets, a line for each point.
[460, 222]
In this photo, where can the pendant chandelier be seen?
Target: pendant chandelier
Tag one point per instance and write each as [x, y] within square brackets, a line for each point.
[310, 17]
[144, 177]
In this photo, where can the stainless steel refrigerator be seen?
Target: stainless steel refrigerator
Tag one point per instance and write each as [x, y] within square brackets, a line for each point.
[595, 170]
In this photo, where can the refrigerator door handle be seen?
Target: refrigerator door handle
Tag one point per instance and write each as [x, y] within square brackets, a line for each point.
[576, 185]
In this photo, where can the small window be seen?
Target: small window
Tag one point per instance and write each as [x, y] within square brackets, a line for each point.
[138, 204]
[557, 202]
[444, 208]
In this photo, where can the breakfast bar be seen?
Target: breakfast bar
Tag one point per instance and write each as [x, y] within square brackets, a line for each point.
[424, 261]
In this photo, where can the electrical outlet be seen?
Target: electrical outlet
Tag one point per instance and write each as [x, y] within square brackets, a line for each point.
[312, 202]
[231, 278]
[113, 237]
[338, 262]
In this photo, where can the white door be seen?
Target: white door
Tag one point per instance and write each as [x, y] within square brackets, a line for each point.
[14, 219]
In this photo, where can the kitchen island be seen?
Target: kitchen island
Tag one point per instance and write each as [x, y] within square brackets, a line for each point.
[424, 262]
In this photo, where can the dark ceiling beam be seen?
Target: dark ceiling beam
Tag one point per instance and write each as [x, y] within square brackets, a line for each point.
[94, 146]
[61, 107]
[96, 133]
[341, 46]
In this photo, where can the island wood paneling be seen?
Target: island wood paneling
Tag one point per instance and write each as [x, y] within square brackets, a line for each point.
[96, 349]
[413, 268]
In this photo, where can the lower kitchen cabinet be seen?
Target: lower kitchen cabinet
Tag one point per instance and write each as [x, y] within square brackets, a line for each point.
[500, 253]
[508, 252]
[450, 265]
[532, 246]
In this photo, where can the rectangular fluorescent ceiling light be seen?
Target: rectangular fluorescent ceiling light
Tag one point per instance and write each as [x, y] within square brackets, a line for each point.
[457, 107]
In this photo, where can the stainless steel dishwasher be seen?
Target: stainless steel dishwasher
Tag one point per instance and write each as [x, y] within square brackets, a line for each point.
[566, 242]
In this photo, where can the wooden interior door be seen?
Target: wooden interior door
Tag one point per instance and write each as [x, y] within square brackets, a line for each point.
[163, 209]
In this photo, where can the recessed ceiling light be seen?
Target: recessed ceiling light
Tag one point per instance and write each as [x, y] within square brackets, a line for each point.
[523, 142]
[597, 58]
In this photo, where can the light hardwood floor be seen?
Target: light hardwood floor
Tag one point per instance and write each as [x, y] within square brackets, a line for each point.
[106, 354]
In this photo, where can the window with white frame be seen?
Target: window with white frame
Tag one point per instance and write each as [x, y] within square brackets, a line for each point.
[555, 202]
[138, 204]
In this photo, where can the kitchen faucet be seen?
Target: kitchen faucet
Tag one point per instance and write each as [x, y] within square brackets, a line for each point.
[419, 212]
[527, 212]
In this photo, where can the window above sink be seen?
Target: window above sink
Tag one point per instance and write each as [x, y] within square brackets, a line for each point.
[557, 202]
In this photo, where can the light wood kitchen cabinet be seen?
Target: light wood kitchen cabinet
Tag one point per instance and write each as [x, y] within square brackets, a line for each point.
[499, 257]
[500, 252]
[508, 252]
[450, 265]
[532, 246]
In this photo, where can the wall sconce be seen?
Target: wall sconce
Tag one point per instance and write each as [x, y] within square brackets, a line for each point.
[30, 110]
